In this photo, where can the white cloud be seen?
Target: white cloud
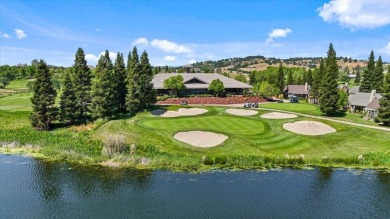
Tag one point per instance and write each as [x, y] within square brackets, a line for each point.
[91, 57]
[356, 14]
[111, 54]
[140, 41]
[169, 58]
[4, 35]
[168, 46]
[94, 58]
[386, 49]
[20, 34]
[277, 33]
[192, 61]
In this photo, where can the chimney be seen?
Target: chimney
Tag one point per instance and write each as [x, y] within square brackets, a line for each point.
[372, 96]
[306, 86]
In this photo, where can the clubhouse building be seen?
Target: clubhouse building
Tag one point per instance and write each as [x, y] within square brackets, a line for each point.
[198, 83]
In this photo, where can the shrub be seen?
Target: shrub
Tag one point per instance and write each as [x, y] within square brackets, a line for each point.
[162, 98]
[114, 144]
[207, 160]
[221, 160]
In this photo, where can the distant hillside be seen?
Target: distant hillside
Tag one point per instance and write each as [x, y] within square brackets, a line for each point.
[251, 63]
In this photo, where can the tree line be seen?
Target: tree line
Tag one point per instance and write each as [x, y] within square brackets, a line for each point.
[116, 89]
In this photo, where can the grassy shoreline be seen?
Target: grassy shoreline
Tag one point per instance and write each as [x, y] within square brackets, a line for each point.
[257, 144]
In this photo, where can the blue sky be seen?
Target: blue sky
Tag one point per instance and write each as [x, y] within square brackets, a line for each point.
[179, 32]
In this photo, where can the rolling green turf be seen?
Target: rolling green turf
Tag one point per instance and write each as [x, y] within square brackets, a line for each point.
[252, 141]
[223, 124]
[18, 84]
[16, 102]
[294, 107]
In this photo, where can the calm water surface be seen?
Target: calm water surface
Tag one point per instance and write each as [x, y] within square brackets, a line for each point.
[35, 189]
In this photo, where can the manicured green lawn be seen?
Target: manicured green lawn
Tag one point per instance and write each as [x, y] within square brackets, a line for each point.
[252, 141]
[16, 102]
[294, 107]
[222, 124]
[18, 84]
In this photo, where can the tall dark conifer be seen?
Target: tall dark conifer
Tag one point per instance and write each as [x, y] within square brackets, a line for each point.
[133, 85]
[368, 74]
[43, 100]
[82, 85]
[329, 91]
[290, 79]
[317, 81]
[148, 94]
[310, 77]
[377, 79]
[384, 103]
[120, 83]
[103, 103]
[68, 102]
[280, 79]
[357, 77]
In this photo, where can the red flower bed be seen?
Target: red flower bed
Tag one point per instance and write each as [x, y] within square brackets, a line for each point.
[213, 100]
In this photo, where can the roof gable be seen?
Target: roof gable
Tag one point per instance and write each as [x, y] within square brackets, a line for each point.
[194, 80]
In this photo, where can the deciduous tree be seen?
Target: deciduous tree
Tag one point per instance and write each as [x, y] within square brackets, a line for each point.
[174, 83]
[217, 87]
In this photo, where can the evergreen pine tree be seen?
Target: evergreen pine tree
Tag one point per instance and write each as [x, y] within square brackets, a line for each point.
[43, 100]
[280, 79]
[368, 74]
[357, 77]
[148, 94]
[82, 85]
[133, 86]
[120, 83]
[304, 77]
[377, 80]
[68, 102]
[290, 80]
[329, 91]
[103, 103]
[384, 103]
[310, 77]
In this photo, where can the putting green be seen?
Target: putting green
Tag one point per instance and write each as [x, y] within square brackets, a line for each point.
[219, 124]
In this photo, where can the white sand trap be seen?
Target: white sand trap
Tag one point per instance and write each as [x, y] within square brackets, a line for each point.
[277, 115]
[180, 112]
[309, 128]
[241, 112]
[200, 138]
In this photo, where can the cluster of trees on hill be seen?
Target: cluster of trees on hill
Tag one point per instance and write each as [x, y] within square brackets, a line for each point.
[295, 75]
[115, 89]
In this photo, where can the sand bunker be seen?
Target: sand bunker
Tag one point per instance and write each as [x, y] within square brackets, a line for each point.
[180, 112]
[309, 128]
[200, 138]
[241, 112]
[277, 115]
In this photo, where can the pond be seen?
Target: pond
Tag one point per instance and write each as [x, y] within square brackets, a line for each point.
[32, 188]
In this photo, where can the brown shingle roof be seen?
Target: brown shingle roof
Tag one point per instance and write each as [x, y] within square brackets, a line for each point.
[297, 89]
[374, 104]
